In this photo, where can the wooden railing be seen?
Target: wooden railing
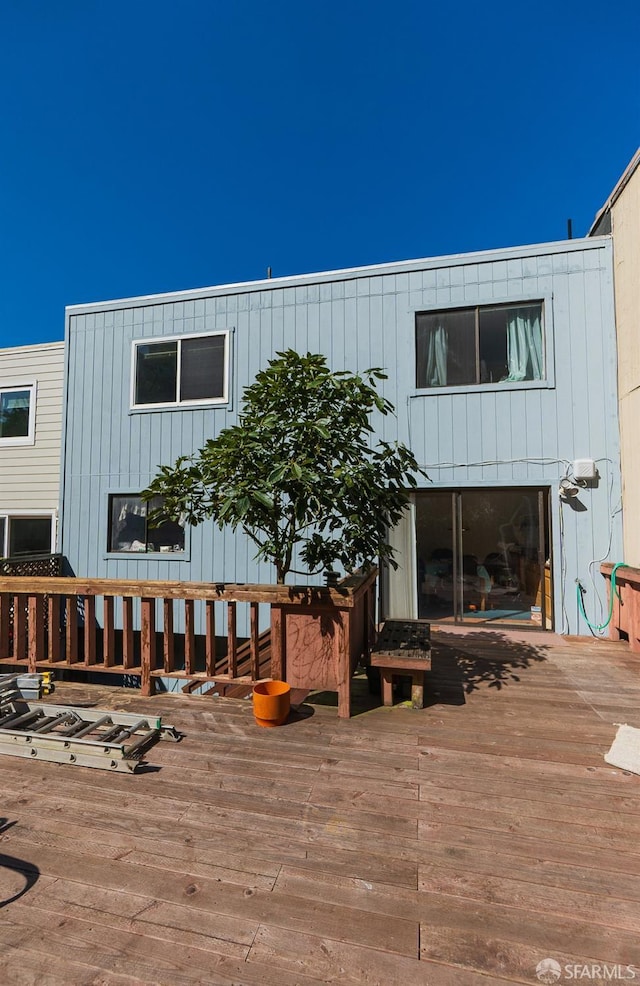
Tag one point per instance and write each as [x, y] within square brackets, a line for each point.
[185, 630]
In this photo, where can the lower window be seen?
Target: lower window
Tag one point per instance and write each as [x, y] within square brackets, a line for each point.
[131, 531]
[25, 536]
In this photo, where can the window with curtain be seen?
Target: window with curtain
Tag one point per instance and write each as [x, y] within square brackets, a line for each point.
[130, 529]
[486, 344]
[181, 370]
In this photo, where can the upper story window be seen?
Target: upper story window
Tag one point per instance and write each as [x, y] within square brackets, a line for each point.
[130, 530]
[17, 414]
[182, 370]
[487, 344]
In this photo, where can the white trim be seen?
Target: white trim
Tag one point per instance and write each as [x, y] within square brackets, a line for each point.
[9, 388]
[345, 273]
[172, 405]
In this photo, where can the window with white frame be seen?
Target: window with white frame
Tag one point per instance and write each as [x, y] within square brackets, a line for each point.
[131, 529]
[26, 534]
[484, 344]
[17, 414]
[181, 370]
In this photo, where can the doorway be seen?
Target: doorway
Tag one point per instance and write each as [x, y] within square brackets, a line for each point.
[483, 556]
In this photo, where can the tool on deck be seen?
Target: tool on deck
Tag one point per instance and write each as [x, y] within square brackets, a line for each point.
[32, 685]
[66, 734]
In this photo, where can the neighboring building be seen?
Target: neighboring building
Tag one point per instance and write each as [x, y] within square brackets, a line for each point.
[31, 383]
[502, 369]
[620, 217]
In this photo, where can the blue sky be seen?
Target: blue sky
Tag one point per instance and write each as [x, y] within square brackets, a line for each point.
[149, 145]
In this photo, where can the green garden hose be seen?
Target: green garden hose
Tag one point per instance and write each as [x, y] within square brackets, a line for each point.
[614, 592]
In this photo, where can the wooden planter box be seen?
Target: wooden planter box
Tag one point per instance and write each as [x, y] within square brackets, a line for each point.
[625, 619]
[318, 639]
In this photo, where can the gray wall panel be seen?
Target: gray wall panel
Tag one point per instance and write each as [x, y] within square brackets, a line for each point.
[358, 320]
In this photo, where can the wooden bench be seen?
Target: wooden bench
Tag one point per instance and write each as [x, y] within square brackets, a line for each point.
[403, 648]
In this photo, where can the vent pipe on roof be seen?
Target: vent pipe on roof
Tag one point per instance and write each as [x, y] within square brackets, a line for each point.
[569, 229]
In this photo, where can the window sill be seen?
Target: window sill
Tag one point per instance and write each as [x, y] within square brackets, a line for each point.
[21, 442]
[146, 555]
[483, 388]
[191, 406]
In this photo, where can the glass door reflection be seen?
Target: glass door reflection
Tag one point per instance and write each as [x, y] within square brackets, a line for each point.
[483, 556]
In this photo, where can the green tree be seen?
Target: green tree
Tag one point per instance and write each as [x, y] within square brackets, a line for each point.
[298, 470]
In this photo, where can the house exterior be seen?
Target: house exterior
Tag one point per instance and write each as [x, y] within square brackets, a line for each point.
[31, 387]
[502, 369]
[620, 218]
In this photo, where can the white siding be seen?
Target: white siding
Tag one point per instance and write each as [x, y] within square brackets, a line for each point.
[626, 240]
[30, 474]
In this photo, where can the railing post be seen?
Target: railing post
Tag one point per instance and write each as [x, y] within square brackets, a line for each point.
[255, 645]
[210, 637]
[72, 629]
[54, 629]
[127, 633]
[19, 627]
[5, 624]
[108, 632]
[189, 638]
[342, 645]
[36, 632]
[232, 640]
[147, 644]
[168, 642]
[89, 630]
[278, 650]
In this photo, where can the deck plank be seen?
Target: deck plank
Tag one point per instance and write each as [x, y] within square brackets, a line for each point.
[457, 844]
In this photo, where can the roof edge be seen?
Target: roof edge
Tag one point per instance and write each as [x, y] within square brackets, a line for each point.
[30, 346]
[618, 189]
[346, 273]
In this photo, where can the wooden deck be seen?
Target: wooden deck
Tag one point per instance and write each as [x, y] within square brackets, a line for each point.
[459, 844]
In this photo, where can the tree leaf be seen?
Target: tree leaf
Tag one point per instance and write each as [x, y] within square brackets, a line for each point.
[300, 467]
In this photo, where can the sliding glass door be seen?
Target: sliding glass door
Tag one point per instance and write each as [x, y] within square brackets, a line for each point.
[484, 556]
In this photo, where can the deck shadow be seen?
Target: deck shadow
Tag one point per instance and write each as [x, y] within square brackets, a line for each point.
[27, 871]
[464, 663]
[298, 713]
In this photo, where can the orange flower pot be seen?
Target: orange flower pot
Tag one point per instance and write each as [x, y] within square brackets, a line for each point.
[271, 702]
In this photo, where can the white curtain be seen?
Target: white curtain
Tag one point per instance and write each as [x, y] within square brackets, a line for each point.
[131, 505]
[400, 591]
[524, 345]
[128, 526]
[437, 347]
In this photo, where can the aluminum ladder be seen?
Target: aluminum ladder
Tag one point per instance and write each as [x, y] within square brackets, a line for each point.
[66, 734]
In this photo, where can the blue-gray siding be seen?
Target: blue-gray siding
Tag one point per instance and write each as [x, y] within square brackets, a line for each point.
[494, 437]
